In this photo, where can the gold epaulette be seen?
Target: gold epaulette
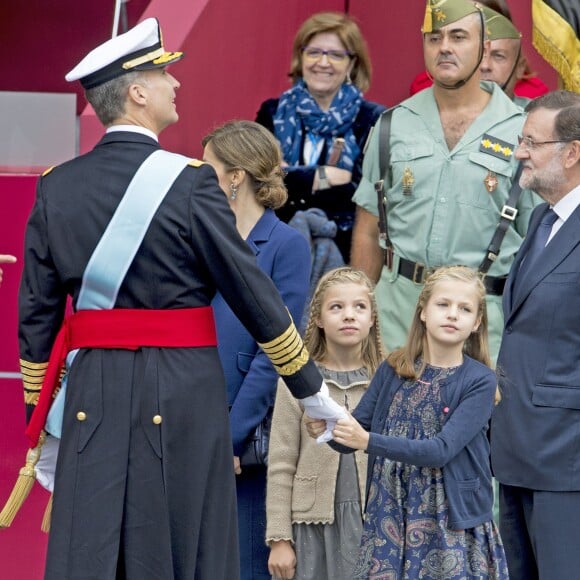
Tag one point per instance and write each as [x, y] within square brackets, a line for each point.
[286, 352]
[46, 172]
[196, 163]
[32, 377]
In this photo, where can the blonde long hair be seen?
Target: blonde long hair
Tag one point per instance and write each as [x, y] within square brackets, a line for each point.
[315, 339]
[476, 346]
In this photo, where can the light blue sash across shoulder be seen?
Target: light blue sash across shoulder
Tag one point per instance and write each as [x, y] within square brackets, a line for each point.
[116, 249]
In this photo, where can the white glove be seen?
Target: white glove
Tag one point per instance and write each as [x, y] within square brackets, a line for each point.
[321, 406]
[47, 462]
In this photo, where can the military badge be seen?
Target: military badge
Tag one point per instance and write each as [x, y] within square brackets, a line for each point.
[490, 181]
[496, 147]
[408, 181]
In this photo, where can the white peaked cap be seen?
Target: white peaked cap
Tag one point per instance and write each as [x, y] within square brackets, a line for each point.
[140, 48]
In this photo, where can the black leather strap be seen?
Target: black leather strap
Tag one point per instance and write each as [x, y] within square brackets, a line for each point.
[508, 215]
[384, 127]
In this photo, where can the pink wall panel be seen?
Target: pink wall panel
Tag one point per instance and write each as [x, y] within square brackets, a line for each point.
[23, 545]
[16, 198]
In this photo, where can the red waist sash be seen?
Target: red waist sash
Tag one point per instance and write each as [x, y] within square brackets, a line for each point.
[119, 329]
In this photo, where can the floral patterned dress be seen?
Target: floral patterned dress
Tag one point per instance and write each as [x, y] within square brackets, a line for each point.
[405, 531]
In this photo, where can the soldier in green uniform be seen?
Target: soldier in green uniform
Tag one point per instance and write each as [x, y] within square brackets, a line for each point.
[504, 62]
[451, 166]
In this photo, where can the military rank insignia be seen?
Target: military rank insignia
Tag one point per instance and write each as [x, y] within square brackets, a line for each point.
[496, 147]
[490, 181]
[408, 181]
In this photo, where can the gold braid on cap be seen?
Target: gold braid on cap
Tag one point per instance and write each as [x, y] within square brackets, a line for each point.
[128, 65]
[286, 352]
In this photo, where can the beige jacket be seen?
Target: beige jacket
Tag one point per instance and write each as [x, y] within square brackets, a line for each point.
[302, 473]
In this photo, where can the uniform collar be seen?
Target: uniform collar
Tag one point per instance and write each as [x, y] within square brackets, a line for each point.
[132, 129]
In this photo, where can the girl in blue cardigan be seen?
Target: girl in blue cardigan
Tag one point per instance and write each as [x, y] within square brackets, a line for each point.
[423, 422]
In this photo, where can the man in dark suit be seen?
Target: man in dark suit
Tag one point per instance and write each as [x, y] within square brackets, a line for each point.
[144, 483]
[535, 432]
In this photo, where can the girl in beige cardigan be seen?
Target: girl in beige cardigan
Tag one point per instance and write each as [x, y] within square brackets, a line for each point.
[314, 495]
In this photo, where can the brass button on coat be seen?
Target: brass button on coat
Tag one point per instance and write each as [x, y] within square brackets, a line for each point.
[157, 419]
[81, 415]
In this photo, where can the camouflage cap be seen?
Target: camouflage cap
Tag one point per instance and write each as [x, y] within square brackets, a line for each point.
[498, 26]
[439, 13]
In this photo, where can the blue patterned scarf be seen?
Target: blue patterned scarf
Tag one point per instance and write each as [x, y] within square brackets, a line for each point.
[298, 112]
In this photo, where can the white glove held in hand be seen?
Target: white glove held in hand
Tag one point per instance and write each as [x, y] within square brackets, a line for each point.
[47, 462]
[321, 406]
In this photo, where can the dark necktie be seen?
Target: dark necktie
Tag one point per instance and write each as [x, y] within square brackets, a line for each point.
[539, 240]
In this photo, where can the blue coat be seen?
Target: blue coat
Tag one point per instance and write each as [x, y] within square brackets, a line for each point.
[461, 448]
[284, 255]
[535, 434]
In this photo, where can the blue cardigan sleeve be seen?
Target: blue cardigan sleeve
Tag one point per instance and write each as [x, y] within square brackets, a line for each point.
[465, 421]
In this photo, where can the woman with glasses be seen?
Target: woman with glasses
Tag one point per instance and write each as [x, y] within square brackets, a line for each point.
[323, 121]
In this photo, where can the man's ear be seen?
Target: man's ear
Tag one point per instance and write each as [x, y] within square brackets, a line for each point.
[137, 93]
[572, 156]
[521, 67]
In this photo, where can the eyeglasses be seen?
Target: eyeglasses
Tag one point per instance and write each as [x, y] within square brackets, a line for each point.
[529, 144]
[335, 56]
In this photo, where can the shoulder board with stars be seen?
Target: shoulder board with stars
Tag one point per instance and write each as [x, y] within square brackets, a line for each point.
[496, 147]
[196, 163]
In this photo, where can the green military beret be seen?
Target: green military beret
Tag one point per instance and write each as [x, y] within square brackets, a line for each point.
[439, 13]
[498, 26]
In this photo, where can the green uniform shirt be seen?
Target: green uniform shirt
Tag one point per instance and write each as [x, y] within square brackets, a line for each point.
[447, 216]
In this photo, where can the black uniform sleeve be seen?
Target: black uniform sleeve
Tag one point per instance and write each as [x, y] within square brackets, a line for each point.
[249, 292]
[42, 301]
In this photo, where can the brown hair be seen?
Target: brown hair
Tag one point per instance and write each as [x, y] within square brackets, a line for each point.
[350, 35]
[314, 337]
[249, 146]
[476, 346]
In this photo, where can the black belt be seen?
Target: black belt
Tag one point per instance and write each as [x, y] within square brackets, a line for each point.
[417, 273]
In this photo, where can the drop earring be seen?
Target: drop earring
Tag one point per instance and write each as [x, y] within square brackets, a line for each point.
[234, 190]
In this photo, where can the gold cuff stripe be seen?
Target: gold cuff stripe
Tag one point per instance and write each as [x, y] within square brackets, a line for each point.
[144, 58]
[290, 331]
[25, 364]
[285, 348]
[287, 352]
[294, 366]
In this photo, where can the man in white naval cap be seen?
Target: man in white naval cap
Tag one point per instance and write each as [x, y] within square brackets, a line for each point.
[140, 239]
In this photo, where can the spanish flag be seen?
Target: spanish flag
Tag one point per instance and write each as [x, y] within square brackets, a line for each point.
[556, 31]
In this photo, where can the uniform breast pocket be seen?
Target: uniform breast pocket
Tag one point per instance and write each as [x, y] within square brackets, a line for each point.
[411, 170]
[489, 179]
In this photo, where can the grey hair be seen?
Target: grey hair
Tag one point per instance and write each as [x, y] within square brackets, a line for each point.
[567, 121]
[108, 99]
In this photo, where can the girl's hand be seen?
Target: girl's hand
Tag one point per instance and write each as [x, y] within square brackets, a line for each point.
[237, 465]
[282, 560]
[315, 427]
[349, 432]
